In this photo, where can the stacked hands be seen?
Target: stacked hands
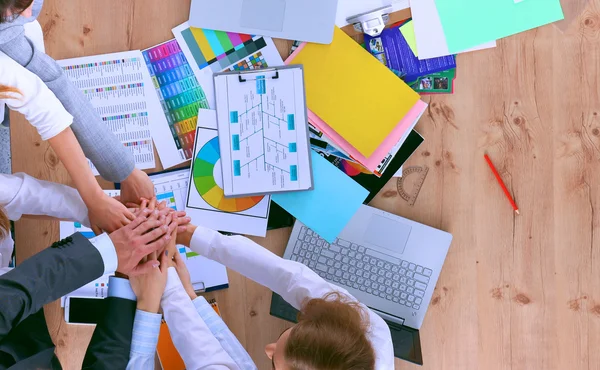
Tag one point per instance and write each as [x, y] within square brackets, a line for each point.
[147, 246]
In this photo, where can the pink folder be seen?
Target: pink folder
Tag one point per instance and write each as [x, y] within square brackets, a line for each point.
[371, 163]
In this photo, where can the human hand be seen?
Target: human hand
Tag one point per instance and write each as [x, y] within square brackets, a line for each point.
[152, 204]
[185, 233]
[144, 235]
[149, 287]
[184, 275]
[108, 214]
[137, 185]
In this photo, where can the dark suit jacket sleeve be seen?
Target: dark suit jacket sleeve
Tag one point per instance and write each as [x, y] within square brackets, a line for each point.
[45, 277]
[111, 343]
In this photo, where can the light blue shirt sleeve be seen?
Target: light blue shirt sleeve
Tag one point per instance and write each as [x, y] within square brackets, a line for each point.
[146, 328]
[221, 332]
[120, 288]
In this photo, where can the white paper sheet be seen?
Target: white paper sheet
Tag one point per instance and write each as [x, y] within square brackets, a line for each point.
[268, 55]
[207, 205]
[431, 40]
[263, 132]
[120, 89]
[350, 8]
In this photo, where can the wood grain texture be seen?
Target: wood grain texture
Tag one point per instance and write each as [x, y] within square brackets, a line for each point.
[516, 292]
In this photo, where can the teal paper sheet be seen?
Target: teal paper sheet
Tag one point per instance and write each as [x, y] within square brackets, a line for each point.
[468, 23]
[330, 206]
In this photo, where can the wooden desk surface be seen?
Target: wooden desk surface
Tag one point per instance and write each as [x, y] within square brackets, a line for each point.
[516, 292]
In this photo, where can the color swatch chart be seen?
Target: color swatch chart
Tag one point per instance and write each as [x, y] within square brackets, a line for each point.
[210, 52]
[219, 49]
[120, 89]
[180, 94]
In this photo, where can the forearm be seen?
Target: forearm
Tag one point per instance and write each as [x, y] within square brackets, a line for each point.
[114, 162]
[43, 278]
[226, 338]
[146, 330]
[189, 332]
[293, 281]
[69, 151]
[34, 197]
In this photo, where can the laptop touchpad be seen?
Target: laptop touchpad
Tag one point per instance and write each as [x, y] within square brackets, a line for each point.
[388, 234]
[263, 14]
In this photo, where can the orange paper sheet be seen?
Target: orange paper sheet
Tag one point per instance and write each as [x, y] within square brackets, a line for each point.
[352, 92]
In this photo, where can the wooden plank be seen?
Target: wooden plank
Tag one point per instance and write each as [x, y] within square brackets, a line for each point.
[516, 292]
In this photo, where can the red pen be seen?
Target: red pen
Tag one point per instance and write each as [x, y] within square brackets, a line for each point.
[506, 192]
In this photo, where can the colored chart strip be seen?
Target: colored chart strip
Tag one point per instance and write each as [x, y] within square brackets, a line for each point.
[203, 173]
[219, 50]
[169, 198]
[180, 94]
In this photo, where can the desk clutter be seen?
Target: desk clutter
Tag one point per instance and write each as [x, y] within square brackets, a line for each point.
[314, 137]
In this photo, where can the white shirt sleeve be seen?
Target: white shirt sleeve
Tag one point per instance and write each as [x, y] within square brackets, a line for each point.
[36, 102]
[194, 341]
[21, 194]
[293, 281]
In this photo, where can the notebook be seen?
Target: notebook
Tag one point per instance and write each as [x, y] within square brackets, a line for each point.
[348, 90]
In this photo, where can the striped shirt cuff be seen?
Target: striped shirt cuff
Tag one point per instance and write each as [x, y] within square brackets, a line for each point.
[209, 316]
[146, 329]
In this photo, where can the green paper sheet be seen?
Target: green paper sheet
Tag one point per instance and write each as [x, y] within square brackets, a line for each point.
[408, 31]
[468, 23]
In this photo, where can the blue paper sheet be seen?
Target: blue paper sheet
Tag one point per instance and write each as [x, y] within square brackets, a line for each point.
[329, 207]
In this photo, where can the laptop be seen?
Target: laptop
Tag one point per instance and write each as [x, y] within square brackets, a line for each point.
[389, 263]
[304, 20]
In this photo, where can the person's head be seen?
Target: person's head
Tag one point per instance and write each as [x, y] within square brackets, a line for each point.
[10, 9]
[331, 334]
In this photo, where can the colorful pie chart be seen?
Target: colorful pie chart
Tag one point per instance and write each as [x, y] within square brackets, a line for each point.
[204, 180]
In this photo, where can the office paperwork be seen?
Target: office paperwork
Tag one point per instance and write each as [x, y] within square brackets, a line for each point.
[206, 203]
[330, 206]
[349, 8]
[393, 50]
[308, 20]
[468, 23]
[389, 144]
[120, 89]
[211, 52]
[263, 131]
[372, 182]
[408, 31]
[180, 96]
[431, 41]
[346, 88]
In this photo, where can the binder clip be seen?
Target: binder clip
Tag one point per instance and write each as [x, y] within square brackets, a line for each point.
[372, 23]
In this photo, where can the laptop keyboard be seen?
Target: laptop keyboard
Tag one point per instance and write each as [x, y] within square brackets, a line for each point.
[352, 265]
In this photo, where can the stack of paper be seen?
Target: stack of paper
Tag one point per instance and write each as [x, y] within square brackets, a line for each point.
[396, 48]
[356, 101]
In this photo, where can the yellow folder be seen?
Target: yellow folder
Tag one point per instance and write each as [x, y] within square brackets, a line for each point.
[352, 92]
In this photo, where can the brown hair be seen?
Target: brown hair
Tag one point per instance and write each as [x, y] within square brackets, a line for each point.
[331, 334]
[10, 9]
[4, 224]
[5, 91]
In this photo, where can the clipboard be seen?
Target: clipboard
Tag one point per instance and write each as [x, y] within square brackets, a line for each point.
[263, 131]
[370, 17]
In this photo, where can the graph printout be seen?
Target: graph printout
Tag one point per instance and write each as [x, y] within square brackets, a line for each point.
[120, 89]
[263, 132]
